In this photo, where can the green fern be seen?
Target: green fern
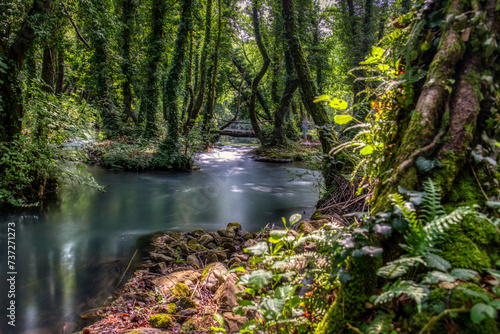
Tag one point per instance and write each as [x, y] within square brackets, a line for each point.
[431, 205]
[399, 267]
[380, 325]
[409, 288]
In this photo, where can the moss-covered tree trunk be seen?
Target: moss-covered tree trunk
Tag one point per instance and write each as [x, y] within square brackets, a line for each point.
[128, 8]
[452, 122]
[99, 24]
[151, 93]
[213, 79]
[170, 143]
[291, 85]
[260, 75]
[12, 58]
[308, 88]
[195, 110]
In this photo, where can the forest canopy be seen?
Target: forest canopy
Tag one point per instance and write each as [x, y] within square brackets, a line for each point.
[403, 97]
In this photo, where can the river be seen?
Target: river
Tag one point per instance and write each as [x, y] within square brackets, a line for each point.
[71, 254]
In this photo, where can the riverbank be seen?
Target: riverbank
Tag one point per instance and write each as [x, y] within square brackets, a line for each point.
[186, 282]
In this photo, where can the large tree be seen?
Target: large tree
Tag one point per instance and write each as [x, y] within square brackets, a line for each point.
[12, 55]
[453, 119]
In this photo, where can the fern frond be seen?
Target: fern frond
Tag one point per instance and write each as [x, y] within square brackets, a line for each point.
[410, 288]
[380, 325]
[399, 267]
[431, 206]
[408, 213]
[435, 229]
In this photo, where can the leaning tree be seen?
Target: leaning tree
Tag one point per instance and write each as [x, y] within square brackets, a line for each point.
[445, 114]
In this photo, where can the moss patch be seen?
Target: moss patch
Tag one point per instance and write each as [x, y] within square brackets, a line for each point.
[180, 290]
[161, 320]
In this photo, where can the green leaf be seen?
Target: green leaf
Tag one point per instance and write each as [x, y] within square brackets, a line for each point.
[284, 291]
[274, 305]
[377, 52]
[342, 119]
[481, 311]
[437, 262]
[275, 236]
[425, 46]
[237, 269]
[367, 150]
[463, 274]
[294, 218]
[219, 319]
[259, 278]
[383, 67]
[321, 98]
[435, 277]
[426, 165]
[473, 293]
[260, 248]
[339, 104]
[493, 204]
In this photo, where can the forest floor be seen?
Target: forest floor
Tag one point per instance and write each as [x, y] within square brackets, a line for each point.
[185, 283]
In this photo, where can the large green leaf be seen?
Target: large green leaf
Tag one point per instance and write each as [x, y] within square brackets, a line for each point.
[321, 98]
[260, 248]
[481, 311]
[367, 150]
[259, 278]
[342, 119]
[273, 305]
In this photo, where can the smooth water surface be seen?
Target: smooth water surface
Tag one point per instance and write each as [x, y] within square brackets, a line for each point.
[70, 254]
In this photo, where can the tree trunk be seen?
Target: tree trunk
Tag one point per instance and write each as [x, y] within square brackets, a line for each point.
[170, 143]
[213, 79]
[291, 84]
[308, 88]
[11, 107]
[450, 120]
[60, 72]
[127, 18]
[260, 75]
[248, 79]
[193, 115]
[48, 69]
[150, 97]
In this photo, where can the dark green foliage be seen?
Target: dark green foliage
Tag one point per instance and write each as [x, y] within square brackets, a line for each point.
[156, 44]
[170, 91]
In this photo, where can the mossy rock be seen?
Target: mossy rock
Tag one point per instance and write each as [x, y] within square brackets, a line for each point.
[234, 225]
[186, 303]
[197, 233]
[229, 246]
[180, 290]
[211, 258]
[193, 241]
[248, 236]
[161, 320]
[175, 235]
[466, 245]
[190, 325]
[197, 248]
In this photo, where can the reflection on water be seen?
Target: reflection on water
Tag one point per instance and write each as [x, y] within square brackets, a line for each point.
[71, 254]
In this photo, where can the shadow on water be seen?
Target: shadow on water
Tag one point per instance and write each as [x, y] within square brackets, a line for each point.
[71, 254]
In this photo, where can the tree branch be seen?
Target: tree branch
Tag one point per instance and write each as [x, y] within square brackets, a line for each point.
[74, 26]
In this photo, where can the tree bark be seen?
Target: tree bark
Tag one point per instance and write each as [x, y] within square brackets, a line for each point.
[308, 88]
[48, 69]
[11, 107]
[193, 115]
[170, 143]
[150, 98]
[60, 72]
[260, 75]
[127, 18]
